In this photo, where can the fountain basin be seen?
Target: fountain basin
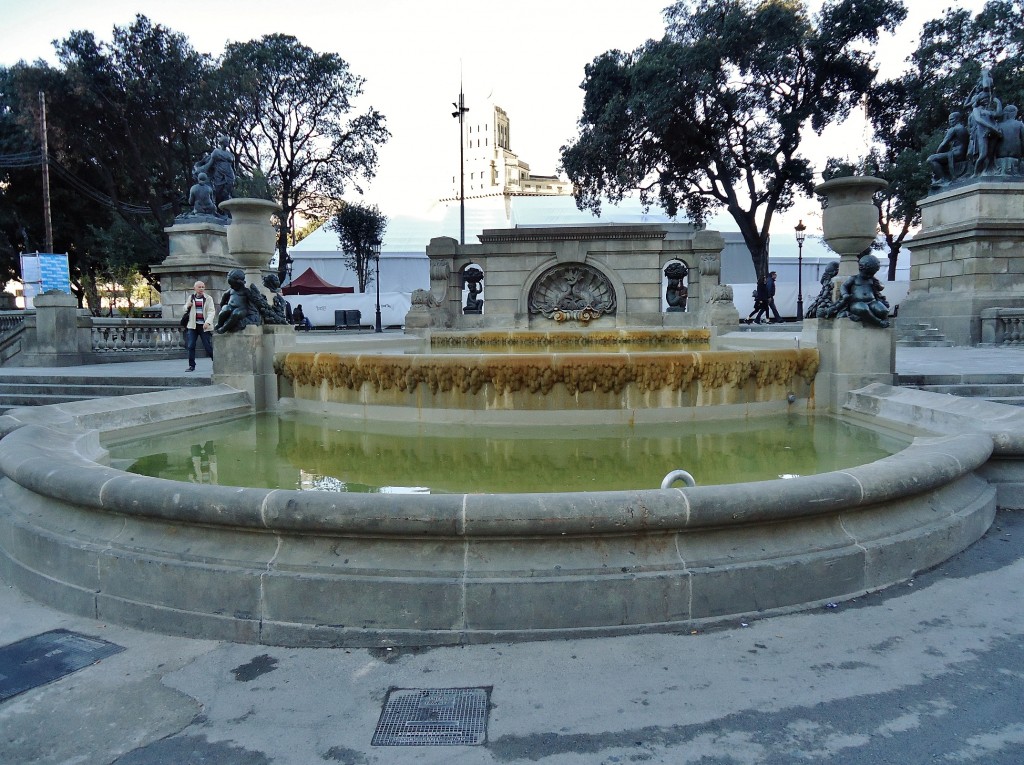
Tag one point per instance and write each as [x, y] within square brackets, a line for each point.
[306, 568]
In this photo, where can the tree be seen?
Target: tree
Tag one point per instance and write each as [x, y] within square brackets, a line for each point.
[711, 116]
[20, 195]
[125, 122]
[910, 113]
[137, 108]
[360, 229]
[22, 227]
[308, 227]
[290, 110]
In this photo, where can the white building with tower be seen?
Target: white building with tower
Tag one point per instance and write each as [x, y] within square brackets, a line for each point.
[490, 165]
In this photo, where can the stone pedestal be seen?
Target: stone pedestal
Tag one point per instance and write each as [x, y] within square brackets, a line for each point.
[244, 360]
[969, 257]
[851, 356]
[197, 252]
[57, 341]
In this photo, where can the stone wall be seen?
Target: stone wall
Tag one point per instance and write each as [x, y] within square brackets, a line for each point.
[626, 264]
[968, 257]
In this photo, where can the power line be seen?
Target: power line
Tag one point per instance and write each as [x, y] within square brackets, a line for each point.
[27, 159]
[21, 159]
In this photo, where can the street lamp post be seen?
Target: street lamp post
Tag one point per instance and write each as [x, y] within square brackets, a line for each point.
[460, 114]
[801, 233]
[375, 246]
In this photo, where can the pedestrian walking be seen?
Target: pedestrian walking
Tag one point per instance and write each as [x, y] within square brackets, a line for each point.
[200, 310]
[760, 303]
[769, 284]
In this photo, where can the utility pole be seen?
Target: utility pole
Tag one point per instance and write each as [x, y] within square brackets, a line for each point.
[459, 113]
[46, 172]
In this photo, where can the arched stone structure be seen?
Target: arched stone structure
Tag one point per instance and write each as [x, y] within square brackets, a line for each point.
[631, 257]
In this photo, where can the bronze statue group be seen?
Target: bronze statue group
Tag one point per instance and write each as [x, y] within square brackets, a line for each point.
[989, 141]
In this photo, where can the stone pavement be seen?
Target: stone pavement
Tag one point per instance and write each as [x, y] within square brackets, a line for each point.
[927, 671]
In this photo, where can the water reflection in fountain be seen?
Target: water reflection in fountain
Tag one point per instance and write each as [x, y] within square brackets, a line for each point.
[300, 451]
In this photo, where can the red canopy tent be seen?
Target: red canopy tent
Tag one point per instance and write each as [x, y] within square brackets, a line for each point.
[308, 283]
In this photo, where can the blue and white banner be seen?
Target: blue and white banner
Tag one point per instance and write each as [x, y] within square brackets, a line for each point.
[42, 272]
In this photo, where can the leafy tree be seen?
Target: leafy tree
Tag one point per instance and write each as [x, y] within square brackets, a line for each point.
[711, 116]
[21, 193]
[360, 228]
[125, 122]
[20, 184]
[138, 106]
[912, 109]
[291, 111]
[910, 113]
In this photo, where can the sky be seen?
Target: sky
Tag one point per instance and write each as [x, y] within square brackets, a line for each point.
[527, 56]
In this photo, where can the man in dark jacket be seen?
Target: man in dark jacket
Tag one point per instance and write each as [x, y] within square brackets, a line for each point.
[769, 285]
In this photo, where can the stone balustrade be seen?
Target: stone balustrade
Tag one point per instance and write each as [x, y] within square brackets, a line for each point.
[1002, 326]
[58, 333]
[10, 321]
[130, 336]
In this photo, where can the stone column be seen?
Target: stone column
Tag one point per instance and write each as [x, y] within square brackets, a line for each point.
[851, 354]
[198, 251]
[434, 308]
[714, 299]
[58, 343]
[244, 360]
[967, 258]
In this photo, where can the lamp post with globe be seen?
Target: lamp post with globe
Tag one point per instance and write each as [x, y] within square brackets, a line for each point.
[801, 233]
[375, 249]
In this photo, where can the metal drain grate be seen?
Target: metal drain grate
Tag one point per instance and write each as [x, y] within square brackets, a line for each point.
[44, 658]
[433, 717]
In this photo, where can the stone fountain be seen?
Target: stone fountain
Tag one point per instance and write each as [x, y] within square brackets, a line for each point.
[287, 567]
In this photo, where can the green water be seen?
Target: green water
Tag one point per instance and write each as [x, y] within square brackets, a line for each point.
[299, 451]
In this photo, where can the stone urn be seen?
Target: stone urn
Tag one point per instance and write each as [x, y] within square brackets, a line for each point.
[850, 219]
[251, 236]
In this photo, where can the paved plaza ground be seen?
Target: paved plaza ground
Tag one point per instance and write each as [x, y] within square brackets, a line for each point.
[928, 671]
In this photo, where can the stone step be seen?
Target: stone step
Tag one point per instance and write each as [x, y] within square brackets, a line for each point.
[162, 381]
[147, 410]
[986, 378]
[10, 401]
[78, 390]
[17, 390]
[920, 343]
[978, 390]
[920, 334]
